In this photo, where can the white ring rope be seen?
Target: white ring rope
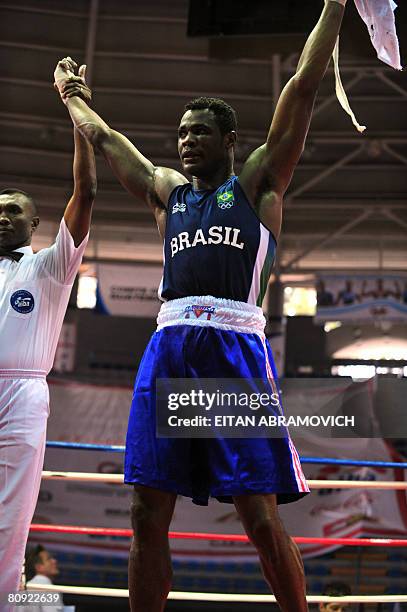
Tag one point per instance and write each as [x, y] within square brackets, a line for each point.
[223, 597]
[313, 484]
[220, 597]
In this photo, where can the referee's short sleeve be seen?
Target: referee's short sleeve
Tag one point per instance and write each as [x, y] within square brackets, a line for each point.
[62, 260]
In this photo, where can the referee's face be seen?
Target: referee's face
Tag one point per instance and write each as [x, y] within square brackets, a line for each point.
[17, 221]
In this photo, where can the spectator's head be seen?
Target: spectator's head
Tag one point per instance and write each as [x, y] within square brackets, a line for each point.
[335, 589]
[39, 561]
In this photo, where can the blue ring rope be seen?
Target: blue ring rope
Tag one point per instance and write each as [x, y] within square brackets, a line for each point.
[91, 447]
[321, 460]
[354, 462]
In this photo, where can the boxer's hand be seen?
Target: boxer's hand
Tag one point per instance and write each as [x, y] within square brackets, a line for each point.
[68, 84]
[76, 86]
[63, 71]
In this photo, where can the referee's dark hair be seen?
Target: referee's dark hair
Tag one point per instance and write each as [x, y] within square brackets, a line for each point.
[13, 190]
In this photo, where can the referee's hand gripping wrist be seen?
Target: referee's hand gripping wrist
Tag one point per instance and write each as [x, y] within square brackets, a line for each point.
[63, 71]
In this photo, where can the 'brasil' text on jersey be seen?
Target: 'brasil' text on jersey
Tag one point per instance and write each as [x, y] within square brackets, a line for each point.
[215, 245]
[216, 235]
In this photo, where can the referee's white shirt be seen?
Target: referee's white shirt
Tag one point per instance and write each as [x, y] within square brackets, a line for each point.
[34, 295]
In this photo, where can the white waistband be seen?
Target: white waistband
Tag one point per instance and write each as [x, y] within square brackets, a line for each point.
[22, 374]
[206, 310]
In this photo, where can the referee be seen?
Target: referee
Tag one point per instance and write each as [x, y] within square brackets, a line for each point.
[34, 294]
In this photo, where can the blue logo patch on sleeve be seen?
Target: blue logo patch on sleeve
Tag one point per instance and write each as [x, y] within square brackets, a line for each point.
[22, 301]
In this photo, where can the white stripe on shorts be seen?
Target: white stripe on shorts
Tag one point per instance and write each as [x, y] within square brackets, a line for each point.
[299, 475]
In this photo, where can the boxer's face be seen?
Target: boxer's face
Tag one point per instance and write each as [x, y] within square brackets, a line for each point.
[17, 221]
[201, 146]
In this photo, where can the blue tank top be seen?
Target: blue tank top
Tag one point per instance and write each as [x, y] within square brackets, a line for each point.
[215, 245]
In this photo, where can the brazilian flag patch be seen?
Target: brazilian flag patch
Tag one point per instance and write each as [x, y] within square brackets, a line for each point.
[225, 199]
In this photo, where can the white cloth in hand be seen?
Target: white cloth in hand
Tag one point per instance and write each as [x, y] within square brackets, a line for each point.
[378, 15]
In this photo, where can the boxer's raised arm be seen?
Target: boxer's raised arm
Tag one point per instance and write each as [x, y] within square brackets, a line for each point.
[135, 172]
[270, 168]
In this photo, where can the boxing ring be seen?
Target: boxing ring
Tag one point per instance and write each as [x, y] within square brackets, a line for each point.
[225, 597]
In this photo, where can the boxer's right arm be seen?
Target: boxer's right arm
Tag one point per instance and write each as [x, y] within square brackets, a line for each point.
[149, 183]
[135, 172]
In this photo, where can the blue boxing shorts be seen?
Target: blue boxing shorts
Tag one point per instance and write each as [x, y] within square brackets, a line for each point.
[207, 337]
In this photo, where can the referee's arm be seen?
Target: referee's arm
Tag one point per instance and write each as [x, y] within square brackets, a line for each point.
[79, 209]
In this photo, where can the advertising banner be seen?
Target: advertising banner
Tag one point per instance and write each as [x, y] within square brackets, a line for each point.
[129, 291]
[93, 414]
[361, 298]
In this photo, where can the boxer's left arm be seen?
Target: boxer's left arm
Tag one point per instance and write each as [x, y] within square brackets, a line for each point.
[267, 173]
